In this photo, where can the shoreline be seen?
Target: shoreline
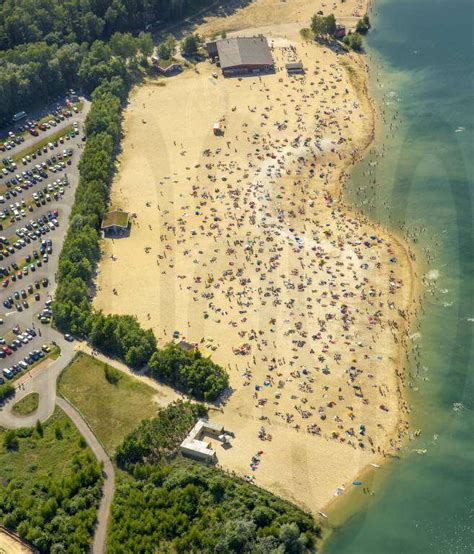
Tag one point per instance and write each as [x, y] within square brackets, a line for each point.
[337, 183]
[415, 287]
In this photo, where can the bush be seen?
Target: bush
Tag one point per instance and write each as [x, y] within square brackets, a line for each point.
[323, 26]
[6, 391]
[189, 372]
[353, 41]
[363, 25]
[10, 441]
[190, 45]
[111, 374]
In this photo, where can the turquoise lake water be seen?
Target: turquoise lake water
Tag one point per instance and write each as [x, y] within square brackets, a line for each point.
[422, 59]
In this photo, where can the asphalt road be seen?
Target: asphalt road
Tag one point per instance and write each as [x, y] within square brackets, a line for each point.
[42, 380]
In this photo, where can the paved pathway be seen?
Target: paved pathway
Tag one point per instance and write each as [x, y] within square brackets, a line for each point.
[41, 379]
[108, 489]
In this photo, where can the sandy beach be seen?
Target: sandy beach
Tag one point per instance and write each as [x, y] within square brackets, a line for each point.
[242, 244]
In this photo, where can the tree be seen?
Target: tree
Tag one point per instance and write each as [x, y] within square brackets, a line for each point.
[363, 25]
[190, 45]
[10, 441]
[323, 26]
[353, 41]
[39, 428]
[164, 51]
[145, 44]
[111, 374]
[330, 22]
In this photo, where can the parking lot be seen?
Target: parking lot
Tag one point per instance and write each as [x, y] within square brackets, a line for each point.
[36, 196]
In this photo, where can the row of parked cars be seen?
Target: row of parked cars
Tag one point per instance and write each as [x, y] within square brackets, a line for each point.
[12, 141]
[33, 230]
[55, 163]
[19, 299]
[22, 338]
[34, 127]
[22, 365]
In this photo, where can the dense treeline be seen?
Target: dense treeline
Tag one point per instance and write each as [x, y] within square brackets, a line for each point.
[69, 21]
[48, 46]
[189, 372]
[50, 488]
[34, 73]
[168, 504]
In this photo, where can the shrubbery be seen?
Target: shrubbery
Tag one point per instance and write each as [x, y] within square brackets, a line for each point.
[353, 41]
[363, 25]
[6, 391]
[189, 372]
[116, 335]
[50, 490]
[156, 439]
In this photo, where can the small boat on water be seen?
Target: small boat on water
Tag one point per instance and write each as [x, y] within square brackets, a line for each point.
[322, 514]
[375, 465]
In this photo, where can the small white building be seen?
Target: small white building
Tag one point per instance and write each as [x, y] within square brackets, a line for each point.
[195, 446]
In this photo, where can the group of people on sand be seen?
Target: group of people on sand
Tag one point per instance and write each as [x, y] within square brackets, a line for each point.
[306, 294]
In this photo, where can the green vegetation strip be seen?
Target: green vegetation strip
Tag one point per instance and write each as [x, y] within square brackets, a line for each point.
[112, 402]
[27, 405]
[50, 487]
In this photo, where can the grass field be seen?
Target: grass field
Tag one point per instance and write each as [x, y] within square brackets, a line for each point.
[112, 410]
[27, 405]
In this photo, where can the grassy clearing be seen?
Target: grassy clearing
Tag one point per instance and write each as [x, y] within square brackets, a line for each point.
[27, 405]
[112, 406]
[43, 142]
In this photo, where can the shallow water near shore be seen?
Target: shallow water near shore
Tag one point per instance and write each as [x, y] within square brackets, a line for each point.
[422, 65]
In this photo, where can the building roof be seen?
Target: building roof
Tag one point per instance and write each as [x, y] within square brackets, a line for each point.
[294, 65]
[244, 51]
[117, 218]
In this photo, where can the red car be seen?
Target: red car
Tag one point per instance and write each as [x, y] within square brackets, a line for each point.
[19, 274]
[5, 282]
[7, 350]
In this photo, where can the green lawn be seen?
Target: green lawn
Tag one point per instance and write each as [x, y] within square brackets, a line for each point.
[27, 405]
[112, 410]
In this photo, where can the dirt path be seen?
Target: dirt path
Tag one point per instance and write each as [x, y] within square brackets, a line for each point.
[108, 490]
